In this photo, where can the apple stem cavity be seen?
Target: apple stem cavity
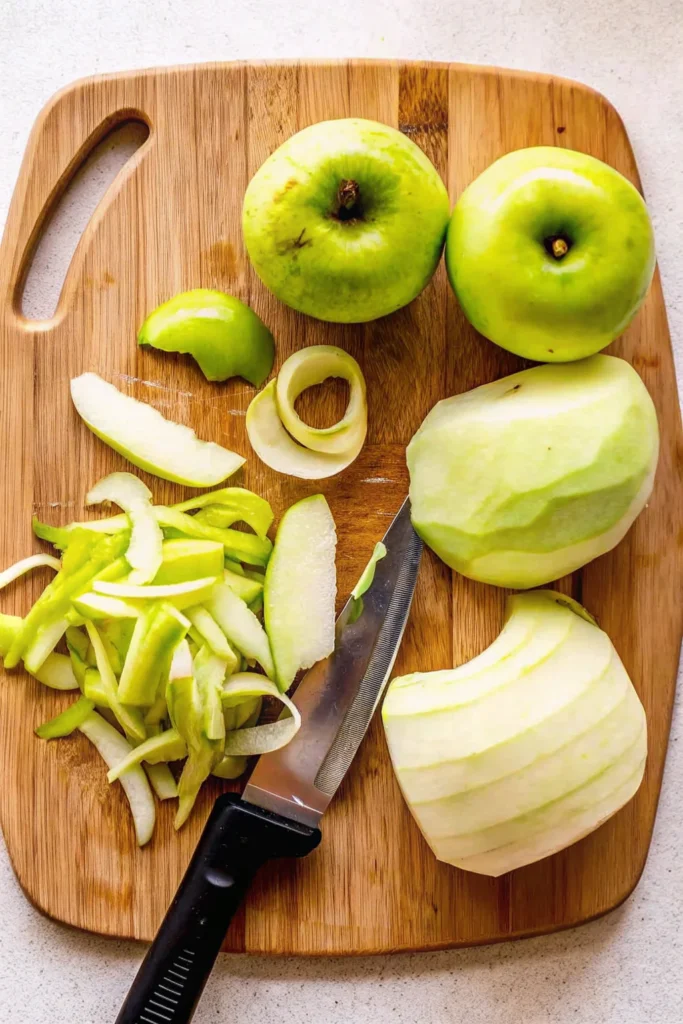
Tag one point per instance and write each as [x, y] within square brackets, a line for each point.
[348, 200]
[556, 246]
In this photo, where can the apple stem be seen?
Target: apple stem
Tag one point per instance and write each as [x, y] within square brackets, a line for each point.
[348, 199]
[559, 248]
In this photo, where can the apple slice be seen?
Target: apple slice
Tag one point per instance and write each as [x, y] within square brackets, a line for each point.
[300, 589]
[277, 449]
[148, 440]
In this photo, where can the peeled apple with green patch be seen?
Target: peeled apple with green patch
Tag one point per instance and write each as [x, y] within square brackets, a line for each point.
[524, 480]
[523, 750]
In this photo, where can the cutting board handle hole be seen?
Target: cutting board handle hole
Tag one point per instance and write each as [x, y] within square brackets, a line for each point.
[70, 210]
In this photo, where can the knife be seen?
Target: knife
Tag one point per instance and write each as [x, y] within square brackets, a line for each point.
[288, 792]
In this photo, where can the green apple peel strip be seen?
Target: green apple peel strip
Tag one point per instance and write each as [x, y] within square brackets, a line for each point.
[67, 722]
[311, 366]
[129, 493]
[259, 739]
[280, 437]
[113, 748]
[25, 565]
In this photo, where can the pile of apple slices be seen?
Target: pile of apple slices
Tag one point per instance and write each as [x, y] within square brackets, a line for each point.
[160, 611]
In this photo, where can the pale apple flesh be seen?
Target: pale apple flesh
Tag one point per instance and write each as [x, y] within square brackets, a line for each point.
[169, 450]
[300, 588]
[550, 253]
[523, 480]
[346, 220]
[524, 750]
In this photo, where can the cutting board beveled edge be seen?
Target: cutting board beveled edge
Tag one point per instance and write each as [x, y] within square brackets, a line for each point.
[170, 222]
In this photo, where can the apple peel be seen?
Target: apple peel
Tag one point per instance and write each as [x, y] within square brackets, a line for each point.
[144, 552]
[259, 739]
[277, 449]
[310, 366]
[25, 565]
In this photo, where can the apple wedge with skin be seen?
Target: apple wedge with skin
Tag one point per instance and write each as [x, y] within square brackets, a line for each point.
[224, 336]
[148, 440]
[523, 750]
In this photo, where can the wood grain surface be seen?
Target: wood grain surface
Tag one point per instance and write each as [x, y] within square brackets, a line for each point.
[171, 221]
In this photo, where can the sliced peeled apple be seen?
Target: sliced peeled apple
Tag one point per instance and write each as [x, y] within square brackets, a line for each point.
[523, 750]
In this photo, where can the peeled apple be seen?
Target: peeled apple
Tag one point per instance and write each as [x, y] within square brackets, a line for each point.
[521, 481]
[523, 750]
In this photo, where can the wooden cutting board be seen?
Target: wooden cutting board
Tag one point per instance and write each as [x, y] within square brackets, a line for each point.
[171, 221]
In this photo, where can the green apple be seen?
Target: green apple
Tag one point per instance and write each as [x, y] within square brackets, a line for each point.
[524, 749]
[346, 220]
[521, 481]
[224, 335]
[550, 253]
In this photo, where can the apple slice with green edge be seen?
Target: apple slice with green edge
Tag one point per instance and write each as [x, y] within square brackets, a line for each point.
[189, 559]
[148, 440]
[241, 627]
[524, 750]
[156, 635]
[346, 220]
[301, 588]
[224, 336]
[550, 253]
[144, 551]
[311, 366]
[277, 449]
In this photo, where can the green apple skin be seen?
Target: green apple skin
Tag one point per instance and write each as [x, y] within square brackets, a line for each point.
[522, 481]
[513, 290]
[224, 336]
[353, 263]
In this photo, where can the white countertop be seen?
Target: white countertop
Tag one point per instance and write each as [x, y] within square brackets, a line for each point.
[624, 969]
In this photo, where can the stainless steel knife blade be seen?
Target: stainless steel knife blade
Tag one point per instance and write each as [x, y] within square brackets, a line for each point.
[338, 696]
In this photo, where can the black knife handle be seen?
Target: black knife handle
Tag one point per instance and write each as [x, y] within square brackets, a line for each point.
[237, 840]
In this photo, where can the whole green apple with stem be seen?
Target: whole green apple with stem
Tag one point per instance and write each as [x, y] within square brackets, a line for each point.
[550, 253]
[346, 220]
